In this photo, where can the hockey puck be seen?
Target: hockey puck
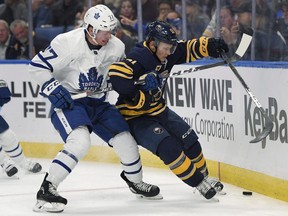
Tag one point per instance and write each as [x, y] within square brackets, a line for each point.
[247, 193]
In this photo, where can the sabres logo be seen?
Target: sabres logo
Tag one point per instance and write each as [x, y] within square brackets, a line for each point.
[158, 130]
[97, 15]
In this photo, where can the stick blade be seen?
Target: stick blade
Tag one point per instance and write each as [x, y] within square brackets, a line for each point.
[266, 131]
[244, 43]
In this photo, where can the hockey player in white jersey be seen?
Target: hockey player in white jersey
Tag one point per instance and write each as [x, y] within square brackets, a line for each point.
[11, 154]
[78, 61]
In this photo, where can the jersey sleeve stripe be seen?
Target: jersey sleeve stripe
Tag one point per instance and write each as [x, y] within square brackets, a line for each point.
[120, 75]
[120, 69]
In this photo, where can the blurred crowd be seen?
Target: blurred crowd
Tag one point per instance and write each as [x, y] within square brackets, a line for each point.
[52, 17]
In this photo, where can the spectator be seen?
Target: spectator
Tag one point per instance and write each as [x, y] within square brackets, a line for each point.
[281, 28]
[281, 23]
[164, 6]
[268, 45]
[113, 5]
[36, 4]
[19, 29]
[65, 11]
[196, 19]
[127, 9]
[229, 28]
[211, 28]
[149, 10]
[8, 44]
[265, 15]
[127, 16]
[13, 9]
[174, 19]
[43, 16]
[228, 25]
[126, 39]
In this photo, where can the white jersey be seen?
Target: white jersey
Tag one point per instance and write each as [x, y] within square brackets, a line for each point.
[70, 61]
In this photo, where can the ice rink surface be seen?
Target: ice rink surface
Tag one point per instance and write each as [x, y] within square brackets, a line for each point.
[97, 189]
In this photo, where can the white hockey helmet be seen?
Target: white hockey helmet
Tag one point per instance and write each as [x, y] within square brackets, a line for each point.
[100, 17]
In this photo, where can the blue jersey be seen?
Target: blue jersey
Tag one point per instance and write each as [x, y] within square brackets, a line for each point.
[133, 102]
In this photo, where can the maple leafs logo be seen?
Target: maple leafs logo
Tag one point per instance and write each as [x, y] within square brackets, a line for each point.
[96, 15]
[90, 81]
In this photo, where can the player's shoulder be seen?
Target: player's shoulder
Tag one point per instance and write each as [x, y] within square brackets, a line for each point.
[141, 53]
[116, 45]
[70, 39]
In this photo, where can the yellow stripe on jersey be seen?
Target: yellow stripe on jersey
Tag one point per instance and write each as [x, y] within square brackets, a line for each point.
[121, 69]
[159, 111]
[130, 112]
[188, 54]
[139, 104]
[128, 115]
[126, 65]
[120, 75]
[194, 53]
[203, 46]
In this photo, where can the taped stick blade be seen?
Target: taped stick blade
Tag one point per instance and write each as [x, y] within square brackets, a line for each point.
[265, 132]
[244, 44]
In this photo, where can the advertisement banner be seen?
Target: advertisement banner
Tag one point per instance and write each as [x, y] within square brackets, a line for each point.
[28, 112]
[215, 104]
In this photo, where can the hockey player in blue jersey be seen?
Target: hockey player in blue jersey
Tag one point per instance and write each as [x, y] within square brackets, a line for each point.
[152, 123]
[11, 154]
[75, 62]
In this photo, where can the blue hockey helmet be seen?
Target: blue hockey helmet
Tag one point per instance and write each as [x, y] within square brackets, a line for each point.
[161, 31]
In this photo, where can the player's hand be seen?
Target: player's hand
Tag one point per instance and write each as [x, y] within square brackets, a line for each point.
[57, 94]
[216, 46]
[152, 81]
[5, 94]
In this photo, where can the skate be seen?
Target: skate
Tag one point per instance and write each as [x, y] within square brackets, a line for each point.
[48, 199]
[216, 184]
[31, 166]
[142, 189]
[9, 168]
[206, 189]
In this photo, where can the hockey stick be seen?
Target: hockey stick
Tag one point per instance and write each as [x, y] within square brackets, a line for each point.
[243, 46]
[268, 123]
[90, 93]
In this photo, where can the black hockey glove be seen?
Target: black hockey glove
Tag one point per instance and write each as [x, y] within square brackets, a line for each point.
[5, 94]
[216, 46]
[57, 94]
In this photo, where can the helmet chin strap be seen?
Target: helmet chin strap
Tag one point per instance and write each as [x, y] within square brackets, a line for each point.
[91, 36]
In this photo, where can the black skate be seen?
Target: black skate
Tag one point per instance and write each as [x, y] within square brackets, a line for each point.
[9, 168]
[142, 189]
[206, 189]
[48, 195]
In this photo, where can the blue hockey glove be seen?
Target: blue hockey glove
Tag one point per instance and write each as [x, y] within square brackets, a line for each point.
[57, 94]
[5, 94]
[152, 81]
[216, 46]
